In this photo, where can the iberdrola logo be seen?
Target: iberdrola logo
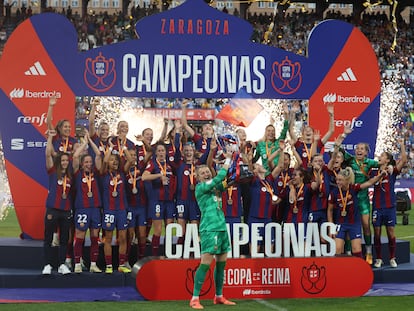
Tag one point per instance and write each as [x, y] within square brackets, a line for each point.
[100, 74]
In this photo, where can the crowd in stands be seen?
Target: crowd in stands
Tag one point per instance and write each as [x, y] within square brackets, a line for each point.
[290, 32]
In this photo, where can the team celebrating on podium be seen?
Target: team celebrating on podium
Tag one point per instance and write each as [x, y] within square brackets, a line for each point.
[105, 183]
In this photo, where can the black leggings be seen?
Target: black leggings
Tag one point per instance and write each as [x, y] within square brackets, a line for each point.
[61, 220]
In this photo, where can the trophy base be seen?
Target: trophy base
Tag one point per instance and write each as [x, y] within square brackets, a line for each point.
[241, 176]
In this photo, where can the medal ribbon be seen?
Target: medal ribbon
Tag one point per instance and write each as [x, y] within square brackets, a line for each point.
[307, 151]
[144, 150]
[65, 146]
[380, 181]
[121, 146]
[268, 187]
[285, 178]
[268, 152]
[134, 178]
[163, 168]
[361, 167]
[321, 178]
[64, 185]
[89, 180]
[114, 181]
[344, 200]
[298, 194]
[105, 148]
[192, 174]
[174, 149]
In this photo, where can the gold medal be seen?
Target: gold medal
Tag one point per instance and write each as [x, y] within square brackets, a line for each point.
[90, 194]
[114, 194]
[192, 187]
[295, 210]
[229, 202]
[157, 215]
[64, 196]
[343, 213]
[134, 191]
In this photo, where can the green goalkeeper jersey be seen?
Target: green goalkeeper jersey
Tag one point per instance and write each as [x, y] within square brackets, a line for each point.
[264, 149]
[208, 196]
[361, 169]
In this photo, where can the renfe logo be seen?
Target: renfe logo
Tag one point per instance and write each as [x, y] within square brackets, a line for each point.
[37, 120]
[350, 123]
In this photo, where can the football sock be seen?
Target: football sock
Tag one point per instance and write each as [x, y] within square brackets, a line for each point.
[199, 278]
[77, 249]
[94, 249]
[219, 277]
[368, 244]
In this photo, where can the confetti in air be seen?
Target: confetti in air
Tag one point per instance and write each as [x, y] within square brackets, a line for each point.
[393, 97]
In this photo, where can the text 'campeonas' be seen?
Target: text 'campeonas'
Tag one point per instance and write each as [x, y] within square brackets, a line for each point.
[296, 240]
[210, 74]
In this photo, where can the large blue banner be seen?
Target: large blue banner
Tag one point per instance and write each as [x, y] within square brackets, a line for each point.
[192, 51]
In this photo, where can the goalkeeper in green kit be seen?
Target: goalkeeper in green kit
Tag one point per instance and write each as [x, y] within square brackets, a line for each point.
[213, 231]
